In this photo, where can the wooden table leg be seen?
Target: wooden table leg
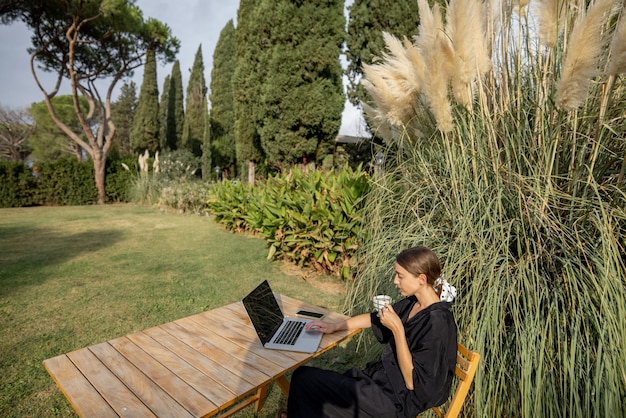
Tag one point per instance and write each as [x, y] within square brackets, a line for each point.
[283, 383]
[260, 395]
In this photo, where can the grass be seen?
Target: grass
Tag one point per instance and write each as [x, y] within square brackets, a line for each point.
[75, 276]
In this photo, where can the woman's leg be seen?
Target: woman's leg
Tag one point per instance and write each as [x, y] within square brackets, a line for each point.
[318, 393]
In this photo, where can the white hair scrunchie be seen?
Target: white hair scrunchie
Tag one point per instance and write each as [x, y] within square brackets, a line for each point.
[448, 292]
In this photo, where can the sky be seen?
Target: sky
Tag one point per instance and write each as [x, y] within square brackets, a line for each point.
[193, 22]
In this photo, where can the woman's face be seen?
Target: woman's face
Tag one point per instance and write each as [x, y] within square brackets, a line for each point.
[407, 283]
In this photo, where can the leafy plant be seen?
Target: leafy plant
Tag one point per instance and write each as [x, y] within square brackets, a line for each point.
[310, 218]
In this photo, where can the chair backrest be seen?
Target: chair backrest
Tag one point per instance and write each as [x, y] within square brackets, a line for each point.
[466, 365]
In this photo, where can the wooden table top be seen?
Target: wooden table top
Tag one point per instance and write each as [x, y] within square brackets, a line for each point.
[192, 367]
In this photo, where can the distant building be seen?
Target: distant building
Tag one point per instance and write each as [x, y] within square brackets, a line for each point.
[353, 150]
[349, 139]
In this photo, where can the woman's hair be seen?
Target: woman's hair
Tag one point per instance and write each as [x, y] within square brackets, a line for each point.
[421, 260]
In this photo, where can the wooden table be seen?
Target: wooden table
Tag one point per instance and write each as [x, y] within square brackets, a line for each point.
[200, 366]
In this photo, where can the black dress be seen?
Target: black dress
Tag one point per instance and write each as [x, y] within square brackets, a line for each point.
[379, 390]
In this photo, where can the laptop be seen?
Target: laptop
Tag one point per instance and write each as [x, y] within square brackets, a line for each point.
[274, 329]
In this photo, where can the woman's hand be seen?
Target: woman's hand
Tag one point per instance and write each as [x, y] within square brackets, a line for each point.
[390, 319]
[321, 326]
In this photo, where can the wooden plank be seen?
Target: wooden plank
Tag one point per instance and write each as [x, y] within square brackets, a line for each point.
[161, 403]
[202, 383]
[193, 401]
[240, 361]
[85, 400]
[121, 399]
[218, 372]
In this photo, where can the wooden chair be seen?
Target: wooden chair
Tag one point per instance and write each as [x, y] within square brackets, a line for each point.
[466, 365]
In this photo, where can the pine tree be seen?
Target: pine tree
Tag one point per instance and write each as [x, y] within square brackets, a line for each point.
[250, 36]
[302, 95]
[221, 120]
[178, 110]
[368, 19]
[196, 107]
[145, 133]
[48, 141]
[122, 113]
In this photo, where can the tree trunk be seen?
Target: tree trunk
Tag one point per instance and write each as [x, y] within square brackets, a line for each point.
[99, 174]
[251, 168]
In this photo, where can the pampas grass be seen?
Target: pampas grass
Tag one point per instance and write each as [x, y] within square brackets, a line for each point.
[523, 202]
[581, 61]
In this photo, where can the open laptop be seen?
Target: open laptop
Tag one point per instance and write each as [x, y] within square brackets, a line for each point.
[274, 329]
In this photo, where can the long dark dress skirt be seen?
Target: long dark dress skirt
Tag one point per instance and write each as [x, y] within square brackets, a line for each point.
[318, 393]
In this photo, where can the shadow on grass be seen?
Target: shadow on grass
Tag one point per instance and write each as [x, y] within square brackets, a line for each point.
[26, 252]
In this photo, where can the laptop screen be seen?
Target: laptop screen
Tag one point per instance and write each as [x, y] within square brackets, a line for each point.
[263, 311]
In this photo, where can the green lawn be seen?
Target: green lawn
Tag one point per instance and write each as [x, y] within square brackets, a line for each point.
[76, 276]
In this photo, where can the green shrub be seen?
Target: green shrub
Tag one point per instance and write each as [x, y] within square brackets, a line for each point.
[62, 182]
[17, 185]
[66, 181]
[312, 219]
[119, 179]
[179, 165]
[186, 197]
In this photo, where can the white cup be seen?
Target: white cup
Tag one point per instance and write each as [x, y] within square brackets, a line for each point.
[380, 301]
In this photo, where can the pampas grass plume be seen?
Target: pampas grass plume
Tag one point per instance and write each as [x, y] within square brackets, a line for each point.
[387, 88]
[438, 55]
[401, 63]
[549, 17]
[617, 63]
[581, 61]
[465, 29]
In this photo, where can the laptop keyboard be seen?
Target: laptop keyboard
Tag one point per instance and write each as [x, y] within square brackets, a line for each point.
[290, 332]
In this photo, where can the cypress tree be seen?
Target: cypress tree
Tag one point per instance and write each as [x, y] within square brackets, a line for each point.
[221, 120]
[207, 157]
[250, 35]
[164, 113]
[123, 113]
[302, 96]
[145, 132]
[196, 107]
[368, 20]
[178, 106]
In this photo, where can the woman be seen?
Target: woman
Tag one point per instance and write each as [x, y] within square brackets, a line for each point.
[415, 370]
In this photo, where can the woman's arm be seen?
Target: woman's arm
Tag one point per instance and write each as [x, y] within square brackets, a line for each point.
[356, 322]
[391, 320]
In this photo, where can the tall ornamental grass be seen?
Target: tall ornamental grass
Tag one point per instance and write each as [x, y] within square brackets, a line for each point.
[506, 151]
